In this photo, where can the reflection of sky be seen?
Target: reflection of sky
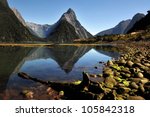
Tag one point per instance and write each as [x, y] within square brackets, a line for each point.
[92, 57]
[48, 69]
[39, 64]
[90, 60]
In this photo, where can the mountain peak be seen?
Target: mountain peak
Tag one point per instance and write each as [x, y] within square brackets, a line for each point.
[68, 28]
[141, 24]
[70, 10]
[69, 15]
[125, 21]
[137, 17]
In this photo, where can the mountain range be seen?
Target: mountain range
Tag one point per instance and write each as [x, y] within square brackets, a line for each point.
[123, 27]
[13, 28]
[66, 29]
[118, 29]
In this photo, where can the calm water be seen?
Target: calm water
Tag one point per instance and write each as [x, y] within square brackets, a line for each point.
[58, 63]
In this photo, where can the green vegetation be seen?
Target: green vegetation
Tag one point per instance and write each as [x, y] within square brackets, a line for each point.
[135, 36]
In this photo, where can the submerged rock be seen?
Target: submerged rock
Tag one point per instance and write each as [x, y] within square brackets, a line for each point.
[28, 94]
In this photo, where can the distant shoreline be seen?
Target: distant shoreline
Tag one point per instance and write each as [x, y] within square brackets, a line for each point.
[52, 44]
[41, 44]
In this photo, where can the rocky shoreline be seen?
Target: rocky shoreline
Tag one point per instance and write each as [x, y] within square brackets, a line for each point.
[126, 78]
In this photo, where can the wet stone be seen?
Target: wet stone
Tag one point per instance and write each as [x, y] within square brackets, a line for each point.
[140, 75]
[134, 85]
[110, 82]
[129, 63]
[135, 98]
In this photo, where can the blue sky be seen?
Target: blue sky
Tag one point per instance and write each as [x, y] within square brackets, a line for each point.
[94, 15]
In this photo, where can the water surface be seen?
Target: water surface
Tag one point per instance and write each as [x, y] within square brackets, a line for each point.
[57, 63]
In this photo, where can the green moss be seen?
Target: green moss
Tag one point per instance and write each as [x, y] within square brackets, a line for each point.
[118, 79]
[116, 67]
[126, 83]
[61, 93]
[77, 82]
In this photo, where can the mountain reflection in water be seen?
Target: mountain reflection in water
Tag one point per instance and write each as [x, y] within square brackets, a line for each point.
[57, 63]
